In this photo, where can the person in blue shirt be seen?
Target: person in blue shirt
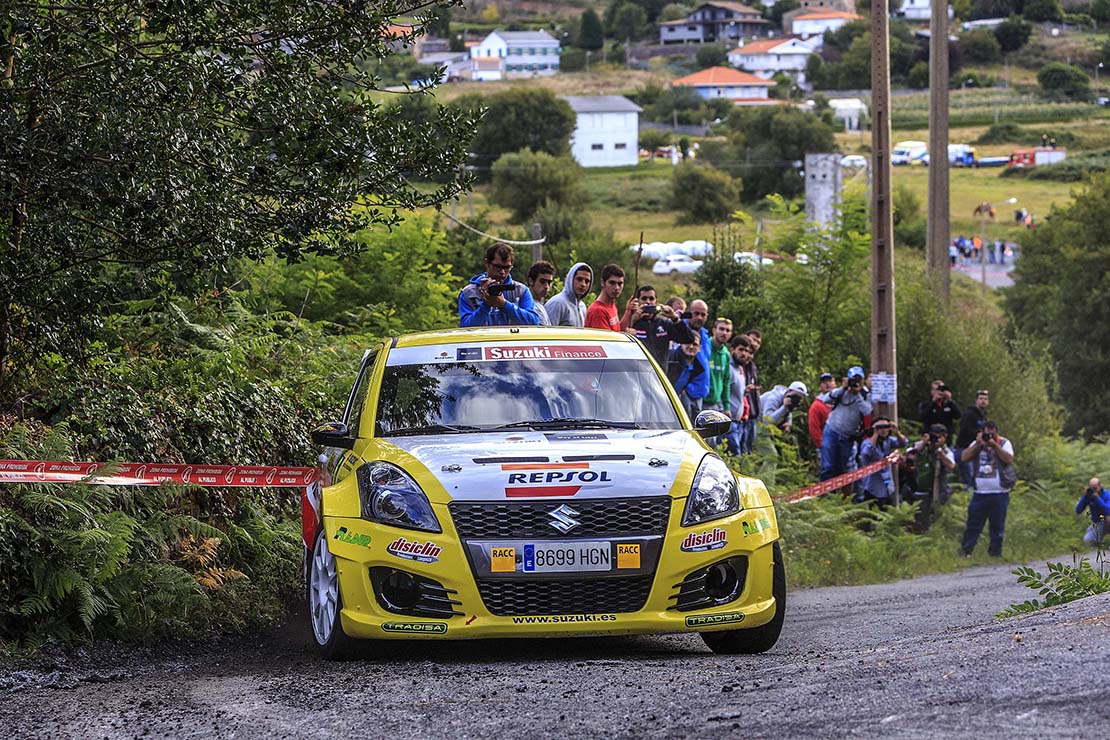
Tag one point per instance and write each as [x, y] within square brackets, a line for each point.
[883, 440]
[1096, 500]
[492, 298]
[689, 374]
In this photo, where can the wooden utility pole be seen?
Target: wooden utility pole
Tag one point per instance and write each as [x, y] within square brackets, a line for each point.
[938, 229]
[884, 356]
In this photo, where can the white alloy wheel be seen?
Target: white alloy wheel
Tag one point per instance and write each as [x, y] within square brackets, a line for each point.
[323, 592]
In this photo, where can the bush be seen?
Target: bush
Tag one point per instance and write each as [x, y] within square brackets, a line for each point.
[1008, 132]
[572, 60]
[919, 76]
[980, 46]
[702, 193]
[1043, 11]
[525, 180]
[1100, 11]
[652, 139]
[1059, 81]
[711, 55]
[1013, 33]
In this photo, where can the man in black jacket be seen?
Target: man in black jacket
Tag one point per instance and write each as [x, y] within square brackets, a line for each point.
[971, 423]
[659, 326]
[940, 409]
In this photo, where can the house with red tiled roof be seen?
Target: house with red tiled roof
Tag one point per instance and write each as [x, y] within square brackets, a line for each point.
[815, 23]
[767, 57]
[725, 82]
[714, 21]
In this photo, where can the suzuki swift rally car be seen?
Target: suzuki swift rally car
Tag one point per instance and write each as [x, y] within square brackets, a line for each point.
[524, 482]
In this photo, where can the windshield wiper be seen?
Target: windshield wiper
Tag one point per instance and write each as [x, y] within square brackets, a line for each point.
[431, 429]
[567, 421]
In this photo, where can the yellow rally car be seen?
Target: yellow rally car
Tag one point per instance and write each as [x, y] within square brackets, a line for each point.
[523, 482]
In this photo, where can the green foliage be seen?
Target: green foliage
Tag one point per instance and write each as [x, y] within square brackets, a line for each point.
[711, 55]
[140, 155]
[679, 104]
[918, 77]
[1009, 132]
[1057, 299]
[518, 118]
[572, 60]
[591, 34]
[525, 180]
[674, 12]
[775, 12]
[979, 46]
[1074, 169]
[906, 204]
[653, 138]
[703, 193]
[1013, 33]
[561, 222]
[1059, 81]
[1043, 11]
[629, 22]
[845, 61]
[1062, 584]
[995, 8]
[1100, 11]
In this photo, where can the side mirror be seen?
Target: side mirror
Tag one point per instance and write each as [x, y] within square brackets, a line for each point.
[333, 434]
[712, 424]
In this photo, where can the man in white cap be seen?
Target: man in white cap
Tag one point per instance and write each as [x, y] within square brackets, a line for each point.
[851, 404]
[779, 403]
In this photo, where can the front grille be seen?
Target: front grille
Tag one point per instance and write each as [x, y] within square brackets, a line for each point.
[510, 598]
[529, 519]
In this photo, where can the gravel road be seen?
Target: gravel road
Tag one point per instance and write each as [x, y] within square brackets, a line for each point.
[917, 658]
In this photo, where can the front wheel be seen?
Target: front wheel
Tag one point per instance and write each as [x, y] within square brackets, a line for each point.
[758, 639]
[324, 602]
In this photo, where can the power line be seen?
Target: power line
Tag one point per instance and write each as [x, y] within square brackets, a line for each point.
[531, 243]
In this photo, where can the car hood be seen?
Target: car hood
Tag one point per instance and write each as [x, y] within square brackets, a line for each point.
[562, 464]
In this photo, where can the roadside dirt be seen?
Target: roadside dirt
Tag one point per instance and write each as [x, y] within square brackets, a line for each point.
[917, 658]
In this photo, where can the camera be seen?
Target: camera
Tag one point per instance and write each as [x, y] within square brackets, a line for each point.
[932, 438]
[854, 382]
[651, 310]
[687, 315]
[988, 436]
[943, 388]
[496, 288]
[1090, 491]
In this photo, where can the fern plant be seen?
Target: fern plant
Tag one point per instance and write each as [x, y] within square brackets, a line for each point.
[1062, 583]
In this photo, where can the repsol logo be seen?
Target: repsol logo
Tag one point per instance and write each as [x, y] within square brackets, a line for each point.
[561, 476]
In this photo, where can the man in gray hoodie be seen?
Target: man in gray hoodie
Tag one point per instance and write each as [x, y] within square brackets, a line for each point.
[851, 405]
[567, 308]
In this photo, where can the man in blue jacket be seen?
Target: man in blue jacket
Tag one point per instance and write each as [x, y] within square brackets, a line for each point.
[492, 298]
[689, 374]
[1095, 499]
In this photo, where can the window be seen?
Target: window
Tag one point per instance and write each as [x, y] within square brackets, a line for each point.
[357, 399]
[597, 147]
[620, 145]
[691, 28]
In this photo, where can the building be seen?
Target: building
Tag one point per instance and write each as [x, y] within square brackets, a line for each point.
[808, 25]
[917, 10]
[851, 112]
[516, 53]
[717, 21]
[457, 64]
[766, 57]
[607, 132]
[725, 82]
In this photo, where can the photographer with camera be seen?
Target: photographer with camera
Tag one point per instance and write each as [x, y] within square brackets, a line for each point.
[779, 403]
[928, 464]
[659, 326]
[971, 423]
[492, 298]
[939, 409]
[1096, 500]
[883, 440]
[851, 405]
[993, 458]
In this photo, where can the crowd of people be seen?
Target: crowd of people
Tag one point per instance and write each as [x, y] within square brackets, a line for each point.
[965, 251]
[712, 366]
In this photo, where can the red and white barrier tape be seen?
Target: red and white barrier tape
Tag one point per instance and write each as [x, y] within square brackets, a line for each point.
[153, 474]
[832, 484]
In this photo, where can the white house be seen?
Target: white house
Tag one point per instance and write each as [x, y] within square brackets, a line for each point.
[813, 24]
[851, 112]
[714, 21]
[917, 10]
[725, 82]
[766, 57]
[518, 54]
[607, 132]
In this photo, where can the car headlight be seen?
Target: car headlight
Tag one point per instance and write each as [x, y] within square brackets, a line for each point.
[714, 493]
[389, 496]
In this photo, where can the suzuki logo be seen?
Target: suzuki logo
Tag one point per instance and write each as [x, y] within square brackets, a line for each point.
[564, 518]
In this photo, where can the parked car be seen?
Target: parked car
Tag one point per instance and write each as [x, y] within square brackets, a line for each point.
[853, 162]
[959, 155]
[532, 482]
[753, 259]
[673, 264]
[908, 152]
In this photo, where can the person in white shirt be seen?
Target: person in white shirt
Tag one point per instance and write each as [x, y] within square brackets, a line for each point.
[992, 456]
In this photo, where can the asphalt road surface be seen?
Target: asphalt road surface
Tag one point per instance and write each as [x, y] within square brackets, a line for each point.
[917, 658]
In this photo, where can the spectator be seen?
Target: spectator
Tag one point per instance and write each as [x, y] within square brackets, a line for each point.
[492, 298]
[1096, 500]
[567, 308]
[850, 404]
[819, 410]
[540, 277]
[741, 350]
[602, 314]
[883, 440]
[719, 397]
[659, 326]
[677, 304]
[755, 407]
[689, 374]
[928, 463]
[699, 314]
[993, 456]
[971, 423]
[939, 409]
[779, 403]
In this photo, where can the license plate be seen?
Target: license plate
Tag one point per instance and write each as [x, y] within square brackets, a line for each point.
[565, 557]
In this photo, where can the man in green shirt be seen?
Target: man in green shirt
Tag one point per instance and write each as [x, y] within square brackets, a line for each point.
[720, 368]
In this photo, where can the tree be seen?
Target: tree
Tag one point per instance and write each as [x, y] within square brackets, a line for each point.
[1059, 81]
[979, 46]
[1013, 33]
[653, 138]
[144, 155]
[703, 193]
[519, 118]
[591, 34]
[490, 13]
[1100, 11]
[1059, 281]
[995, 8]
[629, 22]
[711, 55]
[525, 180]
[673, 12]
[1043, 11]
[774, 13]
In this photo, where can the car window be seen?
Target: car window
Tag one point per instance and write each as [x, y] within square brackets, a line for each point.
[489, 395]
[357, 400]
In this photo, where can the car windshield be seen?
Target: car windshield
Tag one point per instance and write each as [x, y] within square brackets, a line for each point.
[542, 393]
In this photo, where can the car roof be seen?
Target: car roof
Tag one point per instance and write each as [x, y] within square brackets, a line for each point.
[508, 333]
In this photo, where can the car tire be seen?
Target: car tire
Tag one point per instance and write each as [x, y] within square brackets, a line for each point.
[674, 272]
[325, 603]
[758, 639]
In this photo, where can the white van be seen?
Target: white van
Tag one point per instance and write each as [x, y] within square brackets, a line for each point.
[908, 152]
